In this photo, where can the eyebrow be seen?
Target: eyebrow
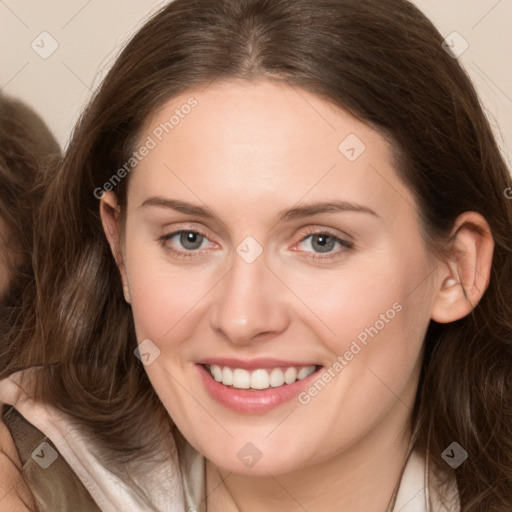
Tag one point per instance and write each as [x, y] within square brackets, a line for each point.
[298, 212]
[179, 206]
[308, 210]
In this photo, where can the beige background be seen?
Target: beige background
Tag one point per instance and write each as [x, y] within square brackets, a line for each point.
[90, 33]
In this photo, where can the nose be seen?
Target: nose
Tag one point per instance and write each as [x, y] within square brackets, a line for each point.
[250, 303]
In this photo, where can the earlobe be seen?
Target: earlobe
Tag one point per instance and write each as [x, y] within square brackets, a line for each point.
[111, 220]
[465, 277]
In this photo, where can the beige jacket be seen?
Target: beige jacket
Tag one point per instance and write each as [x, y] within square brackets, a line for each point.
[58, 458]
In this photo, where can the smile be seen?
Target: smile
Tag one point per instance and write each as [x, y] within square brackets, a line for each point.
[261, 378]
[256, 386]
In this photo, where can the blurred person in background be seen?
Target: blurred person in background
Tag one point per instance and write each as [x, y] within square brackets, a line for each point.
[28, 152]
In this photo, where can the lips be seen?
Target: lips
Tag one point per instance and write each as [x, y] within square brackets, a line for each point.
[257, 385]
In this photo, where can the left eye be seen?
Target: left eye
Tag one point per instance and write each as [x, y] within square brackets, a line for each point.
[323, 242]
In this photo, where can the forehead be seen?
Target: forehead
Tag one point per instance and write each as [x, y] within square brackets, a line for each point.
[246, 140]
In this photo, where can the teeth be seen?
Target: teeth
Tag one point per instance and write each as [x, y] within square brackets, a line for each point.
[305, 372]
[290, 375]
[241, 379]
[216, 373]
[261, 378]
[227, 376]
[276, 378]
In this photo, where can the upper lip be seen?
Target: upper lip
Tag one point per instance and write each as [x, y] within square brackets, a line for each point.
[253, 364]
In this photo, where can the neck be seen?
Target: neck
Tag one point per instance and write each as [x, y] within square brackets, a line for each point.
[362, 477]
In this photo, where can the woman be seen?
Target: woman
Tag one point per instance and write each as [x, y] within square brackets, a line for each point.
[274, 271]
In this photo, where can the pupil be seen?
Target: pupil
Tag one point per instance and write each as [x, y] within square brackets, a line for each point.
[325, 243]
[190, 240]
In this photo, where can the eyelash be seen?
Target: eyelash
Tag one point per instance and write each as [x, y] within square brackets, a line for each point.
[348, 246]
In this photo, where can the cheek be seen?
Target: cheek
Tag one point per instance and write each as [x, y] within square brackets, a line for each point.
[379, 326]
[372, 316]
[359, 302]
[163, 297]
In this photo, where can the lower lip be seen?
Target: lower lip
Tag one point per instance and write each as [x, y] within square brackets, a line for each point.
[249, 400]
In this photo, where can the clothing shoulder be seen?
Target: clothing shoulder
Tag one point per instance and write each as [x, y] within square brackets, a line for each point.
[66, 471]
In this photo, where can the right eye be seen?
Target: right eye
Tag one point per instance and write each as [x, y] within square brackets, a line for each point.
[184, 243]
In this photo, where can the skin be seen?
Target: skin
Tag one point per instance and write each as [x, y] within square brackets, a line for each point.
[248, 151]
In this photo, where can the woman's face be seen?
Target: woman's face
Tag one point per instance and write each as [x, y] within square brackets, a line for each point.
[268, 236]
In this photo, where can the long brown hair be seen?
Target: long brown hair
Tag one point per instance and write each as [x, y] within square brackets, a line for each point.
[381, 60]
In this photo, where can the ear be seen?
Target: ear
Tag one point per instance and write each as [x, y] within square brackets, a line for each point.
[465, 277]
[110, 213]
